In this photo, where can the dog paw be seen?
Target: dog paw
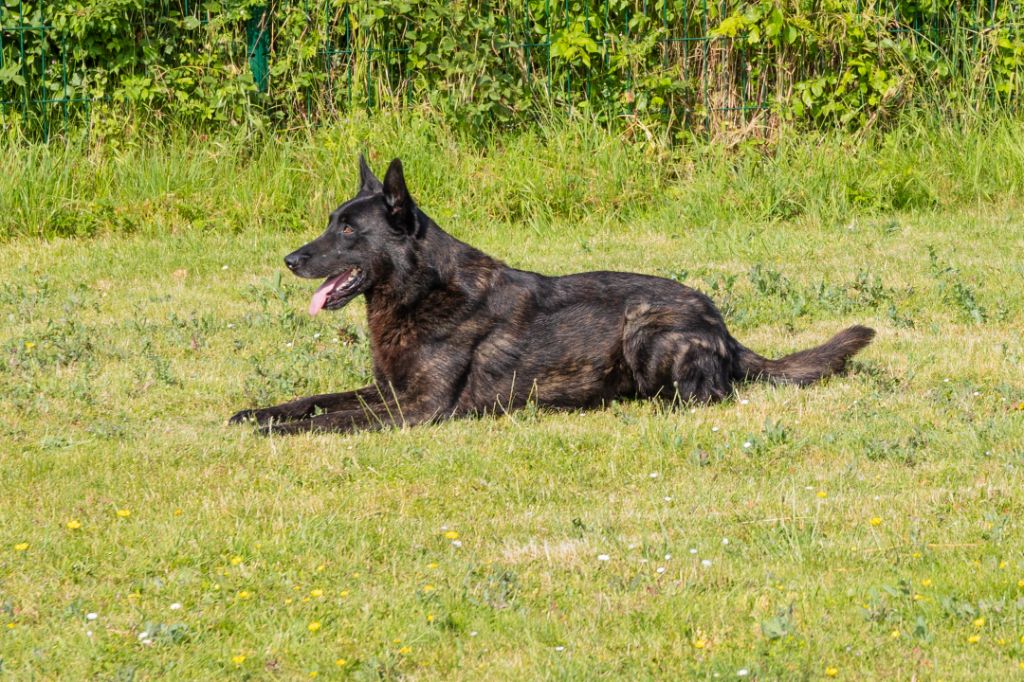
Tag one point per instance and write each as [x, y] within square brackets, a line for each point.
[244, 417]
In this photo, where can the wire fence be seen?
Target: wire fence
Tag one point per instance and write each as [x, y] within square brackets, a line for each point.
[692, 60]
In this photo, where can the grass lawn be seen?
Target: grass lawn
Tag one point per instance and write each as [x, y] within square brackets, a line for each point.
[867, 527]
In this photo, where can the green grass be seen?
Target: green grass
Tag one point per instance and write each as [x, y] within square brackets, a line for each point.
[122, 355]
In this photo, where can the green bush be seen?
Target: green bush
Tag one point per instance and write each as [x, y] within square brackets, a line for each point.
[732, 67]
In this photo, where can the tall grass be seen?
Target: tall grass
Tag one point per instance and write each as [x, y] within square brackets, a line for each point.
[560, 171]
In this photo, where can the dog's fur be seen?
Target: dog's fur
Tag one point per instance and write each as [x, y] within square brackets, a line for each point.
[455, 332]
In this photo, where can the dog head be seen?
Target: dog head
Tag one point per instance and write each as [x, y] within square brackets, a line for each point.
[366, 238]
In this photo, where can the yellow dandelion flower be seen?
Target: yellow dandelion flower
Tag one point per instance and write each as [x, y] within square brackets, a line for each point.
[305, 600]
[917, 555]
[178, 512]
[831, 671]
[698, 643]
[927, 582]
[428, 588]
[1002, 564]
[397, 640]
[432, 565]
[1020, 583]
[73, 524]
[21, 547]
[974, 639]
[430, 618]
[978, 622]
[245, 594]
[313, 673]
[124, 513]
[29, 346]
[405, 650]
[895, 634]
[288, 600]
[316, 593]
[822, 494]
[343, 593]
[11, 626]
[320, 568]
[1022, 662]
[1001, 641]
[235, 560]
[875, 521]
[340, 662]
[238, 660]
[314, 626]
[452, 535]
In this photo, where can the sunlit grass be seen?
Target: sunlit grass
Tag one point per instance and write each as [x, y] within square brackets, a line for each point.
[867, 527]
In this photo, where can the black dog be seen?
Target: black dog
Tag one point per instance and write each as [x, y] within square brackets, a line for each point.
[455, 332]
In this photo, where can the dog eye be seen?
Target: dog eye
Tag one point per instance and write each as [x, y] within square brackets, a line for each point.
[347, 230]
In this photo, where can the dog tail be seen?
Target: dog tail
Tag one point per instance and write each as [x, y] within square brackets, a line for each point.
[806, 366]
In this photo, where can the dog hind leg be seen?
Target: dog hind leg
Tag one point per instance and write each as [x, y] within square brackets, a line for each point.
[679, 365]
[700, 373]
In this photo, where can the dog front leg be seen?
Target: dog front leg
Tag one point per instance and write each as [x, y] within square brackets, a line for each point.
[346, 421]
[303, 408]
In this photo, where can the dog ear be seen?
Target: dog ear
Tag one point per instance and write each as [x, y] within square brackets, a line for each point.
[401, 209]
[368, 182]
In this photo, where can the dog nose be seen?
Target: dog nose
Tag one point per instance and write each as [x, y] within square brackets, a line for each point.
[295, 260]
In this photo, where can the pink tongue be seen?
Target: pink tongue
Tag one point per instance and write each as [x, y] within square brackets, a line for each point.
[320, 296]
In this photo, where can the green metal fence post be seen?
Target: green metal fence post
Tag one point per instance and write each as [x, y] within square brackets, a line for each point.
[257, 33]
[24, 71]
[3, 102]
